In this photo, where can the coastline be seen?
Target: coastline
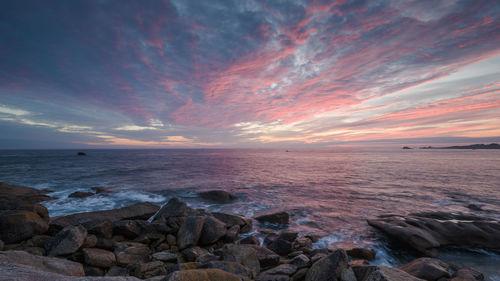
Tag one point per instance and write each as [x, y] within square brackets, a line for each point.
[176, 242]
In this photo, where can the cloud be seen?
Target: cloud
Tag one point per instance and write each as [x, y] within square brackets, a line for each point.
[135, 128]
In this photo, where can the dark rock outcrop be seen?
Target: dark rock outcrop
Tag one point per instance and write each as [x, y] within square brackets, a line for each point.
[280, 218]
[19, 225]
[80, 194]
[213, 230]
[426, 232]
[219, 196]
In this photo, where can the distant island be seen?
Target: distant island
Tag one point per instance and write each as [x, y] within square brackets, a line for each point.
[472, 146]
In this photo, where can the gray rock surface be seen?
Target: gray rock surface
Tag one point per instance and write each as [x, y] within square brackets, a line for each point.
[329, 267]
[67, 241]
[190, 232]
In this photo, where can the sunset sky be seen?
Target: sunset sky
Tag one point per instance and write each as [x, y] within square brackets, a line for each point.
[180, 73]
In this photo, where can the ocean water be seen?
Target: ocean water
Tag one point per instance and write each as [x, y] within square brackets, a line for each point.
[328, 191]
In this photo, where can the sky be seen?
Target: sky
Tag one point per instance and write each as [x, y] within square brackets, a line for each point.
[298, 73]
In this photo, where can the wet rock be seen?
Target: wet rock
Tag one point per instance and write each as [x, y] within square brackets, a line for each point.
[192, 253]
[147, 270]
[467, 274]
[300, 261]
[329, 267]
[231, 267]
[426, 232]
[209, 274]
[100, 228]
[232, 234]
[99, 257]
[127, 228]
[80, 194]
[40, 263]
[165, 256]
[190, 232]
[390, 274]
[213, 230]
[219, 196]
[250, 240]
[427, 268]
[131, 253]
[283, 269]
[90, 241]
[266, 257]
[280, 218]
[19, 225]
[362, 253]
[137, 211]
[242, 254]
[67, 241]
[231, 220]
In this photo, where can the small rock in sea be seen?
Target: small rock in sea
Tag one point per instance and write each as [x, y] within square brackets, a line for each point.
[101, 189]
[80, 194]
[280, 217]
[220, 196]
[362, 253]
[474, 207]
[80, 153]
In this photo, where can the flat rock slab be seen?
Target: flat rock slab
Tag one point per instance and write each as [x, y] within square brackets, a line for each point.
[137, 211]
[427, 232]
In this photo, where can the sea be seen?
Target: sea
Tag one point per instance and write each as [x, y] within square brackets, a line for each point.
[327, 191]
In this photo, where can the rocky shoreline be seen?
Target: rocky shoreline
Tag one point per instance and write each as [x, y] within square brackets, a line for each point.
[176, 242]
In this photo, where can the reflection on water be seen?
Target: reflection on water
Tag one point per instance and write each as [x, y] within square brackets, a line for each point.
[331, 191]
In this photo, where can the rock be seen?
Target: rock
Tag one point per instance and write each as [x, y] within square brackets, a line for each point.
[38, 241]
[90, 241]
[209, 274]
[165, 256]
[362, 253]
[302, 244]
[300, 275]
[40, 263]
[329, 267]
[192, 253]
[426, 232]
[182, 266]
[171, 240]
[250, 240]
[15, 197]
[190, 232]
[127, 228]
[427, 268]
[266, 257]
[268, 277]
[231, 267]
[467, 274]
[137, 211]
[288, 236]
[102, 189]
[93, 271]
[100, 228]
[99, 257]
[15, 273]
[359, 262]
[173, 208]
[300, 261]
[131, 253]
[80, 194]
[147, 270]
[81, 153]
[231, 220]
[232, 234]
[363, 271]
[213, 230]
[348, 275]
[206, 257]
[117, 271]
[19, 225]
[316, 257]
[280, 218]
[104, 243]
[474, 207]
[219, 196]
[67, 241]
[390, 274]
[284, 269]
[280, 246]
[1, 245]
[242, 254]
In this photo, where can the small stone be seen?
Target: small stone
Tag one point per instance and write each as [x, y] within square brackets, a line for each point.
[133, 253]
[126, 228]
[165, 256]
[192, 253]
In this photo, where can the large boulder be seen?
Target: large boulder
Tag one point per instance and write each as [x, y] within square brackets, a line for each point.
[279, 217]
[127, 228]
[100, 228]
[266, 257]
[19, 225]
[190, 232]
[134, 212]
[329, 267]
[67, 241]
[213, 230]
[232, 220]
[427, 268]
[219, 196]
[390, 274]
[173, 208]
[243, 254]
[46, 264]
[209, 274]
[99, 257]
[131, 253]
[15, 195]
[426, 232]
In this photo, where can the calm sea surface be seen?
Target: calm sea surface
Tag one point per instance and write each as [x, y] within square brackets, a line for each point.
[328, 191]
